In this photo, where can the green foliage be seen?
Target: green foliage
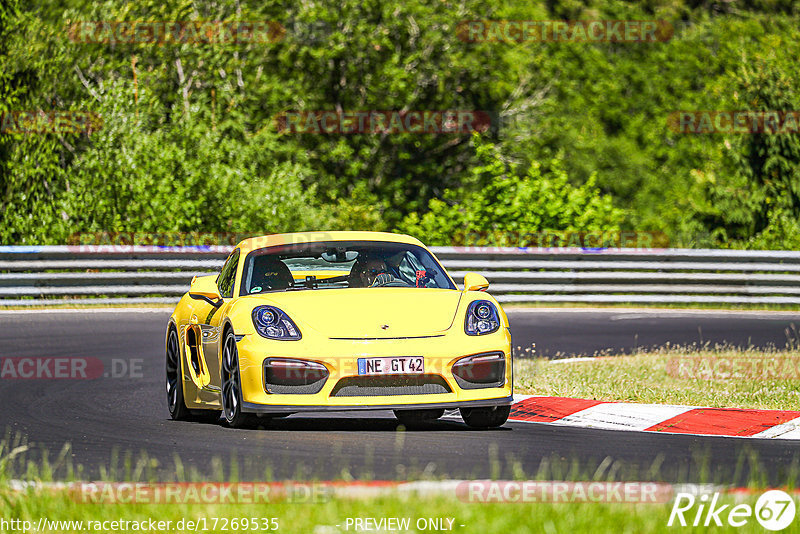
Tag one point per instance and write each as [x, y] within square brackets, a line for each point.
[232, 183]
[580, 142]
[505, 207]
[752, 192]
[19, 193]
[771, 163]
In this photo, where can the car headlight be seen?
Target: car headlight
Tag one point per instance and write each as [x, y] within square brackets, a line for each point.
[273, 323]
[482, 318]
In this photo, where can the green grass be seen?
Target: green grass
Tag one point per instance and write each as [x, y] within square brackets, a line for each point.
[720, 377]
[322, 514]
[322, 518]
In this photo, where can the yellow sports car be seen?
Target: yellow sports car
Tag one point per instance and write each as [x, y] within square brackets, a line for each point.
[324, 321]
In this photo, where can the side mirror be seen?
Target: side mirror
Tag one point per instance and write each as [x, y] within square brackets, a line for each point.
[475, 282]
[205, 288]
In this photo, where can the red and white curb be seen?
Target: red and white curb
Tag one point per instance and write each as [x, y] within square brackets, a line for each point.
[664, 418]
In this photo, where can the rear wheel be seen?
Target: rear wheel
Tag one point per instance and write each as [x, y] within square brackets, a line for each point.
[491, 417]
[232, 386]
[416, 417]
[175, 403]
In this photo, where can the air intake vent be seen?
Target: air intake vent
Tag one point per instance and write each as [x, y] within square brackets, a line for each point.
[376, 386]
[293, 376]
[486, 370]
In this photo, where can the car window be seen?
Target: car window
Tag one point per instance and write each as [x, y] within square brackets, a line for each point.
[227, 276]
[341, 265]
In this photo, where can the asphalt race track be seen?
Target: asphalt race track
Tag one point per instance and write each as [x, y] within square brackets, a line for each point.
[568, 332]
[108, 417]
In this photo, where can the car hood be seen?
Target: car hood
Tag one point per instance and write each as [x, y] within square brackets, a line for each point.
[370, 312]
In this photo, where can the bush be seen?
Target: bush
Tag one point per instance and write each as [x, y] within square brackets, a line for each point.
[504, 206]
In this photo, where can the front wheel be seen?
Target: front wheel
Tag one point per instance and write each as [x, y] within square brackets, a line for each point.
[177, 407]
[491, 417]
[232, 386]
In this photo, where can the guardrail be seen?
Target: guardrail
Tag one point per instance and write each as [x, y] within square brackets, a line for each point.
[110, 275]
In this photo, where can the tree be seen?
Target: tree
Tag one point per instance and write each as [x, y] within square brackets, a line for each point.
[503, 208]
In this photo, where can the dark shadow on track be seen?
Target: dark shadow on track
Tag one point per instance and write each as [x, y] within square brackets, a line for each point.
[347, 424]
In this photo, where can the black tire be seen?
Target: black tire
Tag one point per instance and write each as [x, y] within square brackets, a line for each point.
[491, 417]
[418, 417]
[231, 386]
[175, 403]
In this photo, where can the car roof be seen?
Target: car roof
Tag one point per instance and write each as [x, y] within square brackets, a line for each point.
[270, 240]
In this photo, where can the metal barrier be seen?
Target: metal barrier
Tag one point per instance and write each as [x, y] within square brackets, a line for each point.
[112, 275]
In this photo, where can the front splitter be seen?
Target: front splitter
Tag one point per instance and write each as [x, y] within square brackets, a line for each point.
[250, 407]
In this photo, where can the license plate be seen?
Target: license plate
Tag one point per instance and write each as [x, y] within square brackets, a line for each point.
[401, 365]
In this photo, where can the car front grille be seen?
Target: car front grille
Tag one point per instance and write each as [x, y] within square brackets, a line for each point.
[376, 386]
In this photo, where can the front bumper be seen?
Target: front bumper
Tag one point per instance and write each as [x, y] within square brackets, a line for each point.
[250, 407]
[340, 357]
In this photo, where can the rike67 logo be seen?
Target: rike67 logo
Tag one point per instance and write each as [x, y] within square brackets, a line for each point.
[774, 510]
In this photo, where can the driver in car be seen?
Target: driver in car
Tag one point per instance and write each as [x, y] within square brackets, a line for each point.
[375, 273]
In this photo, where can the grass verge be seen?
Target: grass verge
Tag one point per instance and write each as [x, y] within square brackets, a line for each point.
[714, 377]
[38, 505]
[332, 517]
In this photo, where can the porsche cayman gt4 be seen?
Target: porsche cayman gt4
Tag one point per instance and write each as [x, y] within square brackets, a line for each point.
[337, 321]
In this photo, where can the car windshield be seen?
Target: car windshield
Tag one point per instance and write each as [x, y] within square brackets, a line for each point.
[341, 265]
